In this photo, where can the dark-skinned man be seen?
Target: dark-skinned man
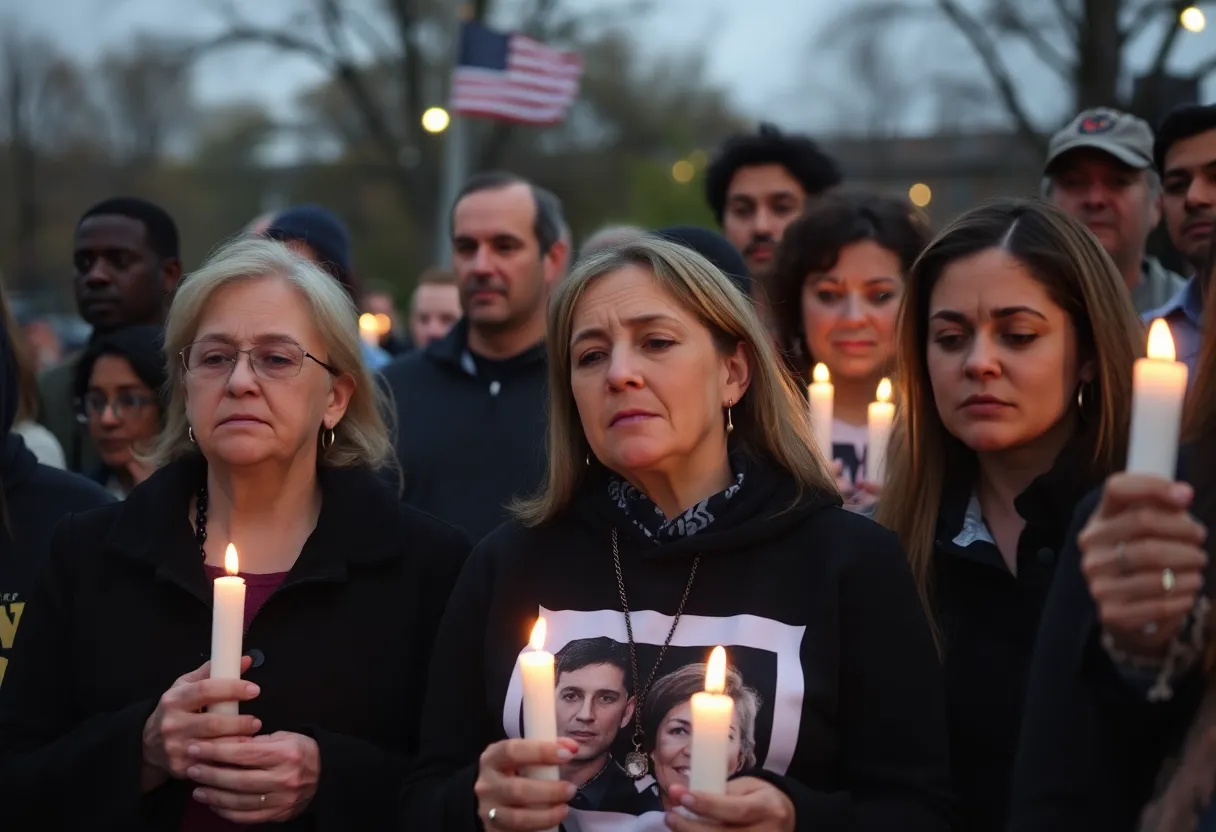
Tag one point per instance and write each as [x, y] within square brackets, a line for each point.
[126, 267]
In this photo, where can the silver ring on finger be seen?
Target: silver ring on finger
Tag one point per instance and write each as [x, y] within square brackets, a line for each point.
[1121, 556]
[493, 813]
[262, 800]
[1168, 580]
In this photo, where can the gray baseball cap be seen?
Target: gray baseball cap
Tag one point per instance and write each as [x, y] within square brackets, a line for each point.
[1124, 136]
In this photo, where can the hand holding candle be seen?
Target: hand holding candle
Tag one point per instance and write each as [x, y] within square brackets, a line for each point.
[822, 394]
[227, 627]
[881, 416]
[1158, 393]
[540, 697]
[712, 714]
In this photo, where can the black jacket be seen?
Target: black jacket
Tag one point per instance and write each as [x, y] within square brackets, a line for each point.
[815, 606]
[33, 499]
[1092, 744]
[989, 619]
[340, 653]
[470, 432]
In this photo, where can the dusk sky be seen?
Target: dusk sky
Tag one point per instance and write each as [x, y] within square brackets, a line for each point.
[772, 55]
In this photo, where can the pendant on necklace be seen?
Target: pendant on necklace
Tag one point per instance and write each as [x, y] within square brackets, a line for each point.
[636, 765]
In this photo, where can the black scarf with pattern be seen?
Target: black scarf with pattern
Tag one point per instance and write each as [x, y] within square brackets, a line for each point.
[649, 518]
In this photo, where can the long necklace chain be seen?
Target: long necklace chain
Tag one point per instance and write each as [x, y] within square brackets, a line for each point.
[200, 521]
[636, 764]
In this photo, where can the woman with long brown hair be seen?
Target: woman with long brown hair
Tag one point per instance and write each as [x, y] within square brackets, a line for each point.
[1015, 346]
[685, 507]
[1116, 733]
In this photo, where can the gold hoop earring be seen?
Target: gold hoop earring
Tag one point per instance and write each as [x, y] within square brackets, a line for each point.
[729, 424]
[190, 433]
[327, 439]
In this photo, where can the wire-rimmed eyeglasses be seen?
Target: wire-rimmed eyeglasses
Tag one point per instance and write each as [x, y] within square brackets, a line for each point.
[275, 360]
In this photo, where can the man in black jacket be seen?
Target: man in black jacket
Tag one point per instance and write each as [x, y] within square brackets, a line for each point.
[34, 497]
[471, 407]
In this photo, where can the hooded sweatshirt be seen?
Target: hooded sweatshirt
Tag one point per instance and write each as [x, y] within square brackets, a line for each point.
[839, 696]
[470, 431]
[35, 496]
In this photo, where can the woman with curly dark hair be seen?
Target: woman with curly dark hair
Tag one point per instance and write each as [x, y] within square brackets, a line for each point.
[834, 295]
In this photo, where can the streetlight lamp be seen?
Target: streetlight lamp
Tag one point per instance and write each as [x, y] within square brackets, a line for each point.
[920, 194]
[1193, 19]
[436, 120]
[683, 171]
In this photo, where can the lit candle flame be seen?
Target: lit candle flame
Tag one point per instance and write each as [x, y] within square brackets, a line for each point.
[537, 642]
[1160, 342]
[884, 390]
[715, 671]
[367, 323]
[232, 564]
[820, 374]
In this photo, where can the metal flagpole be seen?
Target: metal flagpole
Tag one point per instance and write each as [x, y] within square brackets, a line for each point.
[455, 172]
[455, 151]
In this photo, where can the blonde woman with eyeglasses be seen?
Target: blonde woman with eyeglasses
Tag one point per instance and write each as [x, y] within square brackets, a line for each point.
[272, 439]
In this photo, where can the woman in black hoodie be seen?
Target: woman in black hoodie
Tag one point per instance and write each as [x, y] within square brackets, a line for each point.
[1016, 343]
[684, 508]
[34, 498]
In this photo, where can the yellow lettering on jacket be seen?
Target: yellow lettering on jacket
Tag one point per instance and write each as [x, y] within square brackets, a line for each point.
[8, 625]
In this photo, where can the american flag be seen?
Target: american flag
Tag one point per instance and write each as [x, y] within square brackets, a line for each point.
[513, 77]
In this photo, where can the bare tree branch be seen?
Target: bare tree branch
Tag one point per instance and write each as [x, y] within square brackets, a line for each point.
[242, 34]
[380, 46]
[1071, 21]
[871, 16]
[1145, 14]
[986, 48]
[1034, 35]
[1157, 67]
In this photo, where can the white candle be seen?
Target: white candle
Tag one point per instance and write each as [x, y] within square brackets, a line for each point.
[1158, 392]
[712, 713]
[821, 394]
[540, 697]
[227, 627]
[881, 415]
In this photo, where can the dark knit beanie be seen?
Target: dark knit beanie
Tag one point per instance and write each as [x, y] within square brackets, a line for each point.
[320, 230]
[713, 247]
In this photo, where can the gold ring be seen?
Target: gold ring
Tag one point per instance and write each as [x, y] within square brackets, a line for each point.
[1167, 580]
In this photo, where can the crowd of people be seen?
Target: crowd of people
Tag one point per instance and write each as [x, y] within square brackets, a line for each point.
[987, 625]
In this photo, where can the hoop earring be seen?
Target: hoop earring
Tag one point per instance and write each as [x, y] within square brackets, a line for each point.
[588, 459]
[729, 424]
[327, 439]
[190, 433]
[1081, 395]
